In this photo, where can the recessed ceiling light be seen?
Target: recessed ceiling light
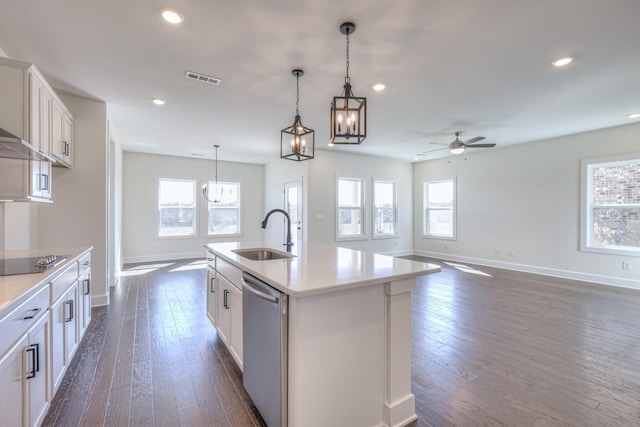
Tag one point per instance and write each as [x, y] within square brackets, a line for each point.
[563, 61]
[379, 87]
[634, 116]
[158, 101]
[171, 16]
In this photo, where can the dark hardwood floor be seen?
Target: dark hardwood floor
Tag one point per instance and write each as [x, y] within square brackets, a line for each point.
[490, 348]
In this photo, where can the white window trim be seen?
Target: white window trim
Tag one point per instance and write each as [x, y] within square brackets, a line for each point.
[196, 234]
[426, 235]
[240, 211]
[395, 234]
[362, 236]
[586, 202]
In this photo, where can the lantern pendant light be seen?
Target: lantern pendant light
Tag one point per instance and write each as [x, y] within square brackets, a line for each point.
[348, 112]
[297, 142]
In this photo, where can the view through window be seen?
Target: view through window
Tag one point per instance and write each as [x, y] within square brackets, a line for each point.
[176, 207]
[439, 213]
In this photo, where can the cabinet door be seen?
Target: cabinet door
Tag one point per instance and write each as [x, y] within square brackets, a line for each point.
[57, 136]
[37, 392]
[211, 296]
[85, 301]
[58, 347]
[11, 384]
[67, 134]
[71, 335]
[224, 308]
[235, 296]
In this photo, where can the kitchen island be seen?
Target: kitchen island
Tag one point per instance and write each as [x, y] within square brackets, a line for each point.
[349, 331]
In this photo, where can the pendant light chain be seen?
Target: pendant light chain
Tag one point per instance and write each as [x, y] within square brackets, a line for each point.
[297, 94]
[347, 79]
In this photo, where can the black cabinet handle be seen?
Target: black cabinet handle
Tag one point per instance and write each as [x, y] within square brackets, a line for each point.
[69, 303]
[88, 286]
[32, 313]
[224, 299]
[35, 362]
[212, 289]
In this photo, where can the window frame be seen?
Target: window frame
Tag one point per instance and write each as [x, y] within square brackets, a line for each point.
[195, 233]
[587, 205]
[425, 209]
[394, 209]
[239, 208]
[362, 208]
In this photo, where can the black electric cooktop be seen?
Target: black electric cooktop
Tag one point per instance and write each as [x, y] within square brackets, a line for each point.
[13, 266]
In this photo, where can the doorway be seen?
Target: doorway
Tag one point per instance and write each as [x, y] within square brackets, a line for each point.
[293, 206]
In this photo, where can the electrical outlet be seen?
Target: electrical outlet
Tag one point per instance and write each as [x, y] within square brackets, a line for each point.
[496, 251]
[511, 252]
[626, 265]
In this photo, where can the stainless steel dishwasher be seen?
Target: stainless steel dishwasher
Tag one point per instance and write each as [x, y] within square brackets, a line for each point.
[265, 333]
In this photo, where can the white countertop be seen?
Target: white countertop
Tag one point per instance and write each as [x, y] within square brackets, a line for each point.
[318, 269]
[17, 288]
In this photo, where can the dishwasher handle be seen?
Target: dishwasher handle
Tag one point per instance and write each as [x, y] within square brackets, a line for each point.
[254, 286]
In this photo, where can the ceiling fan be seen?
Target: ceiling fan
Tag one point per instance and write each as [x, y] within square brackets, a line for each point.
[458, 146]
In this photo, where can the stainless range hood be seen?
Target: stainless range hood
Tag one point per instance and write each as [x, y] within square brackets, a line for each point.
[14, 147]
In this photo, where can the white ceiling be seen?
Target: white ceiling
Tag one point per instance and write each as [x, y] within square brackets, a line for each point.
[480, 66]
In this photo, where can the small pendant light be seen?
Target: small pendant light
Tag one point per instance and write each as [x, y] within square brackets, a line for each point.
[348, 112]
[297, 142]
[205, 186]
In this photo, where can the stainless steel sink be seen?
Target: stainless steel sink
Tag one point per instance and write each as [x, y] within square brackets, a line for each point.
[261, 254]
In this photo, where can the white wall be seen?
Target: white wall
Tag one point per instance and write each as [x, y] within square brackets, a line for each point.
[139, 242]
[276, 174]
[20, 226]
[78, 216]
[527, 198]
[324, 169]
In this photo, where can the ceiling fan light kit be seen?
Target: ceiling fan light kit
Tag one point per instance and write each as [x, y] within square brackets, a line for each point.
[348, 112]
[297, 142]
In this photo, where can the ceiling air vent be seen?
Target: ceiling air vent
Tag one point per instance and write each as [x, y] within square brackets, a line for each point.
[190, 75]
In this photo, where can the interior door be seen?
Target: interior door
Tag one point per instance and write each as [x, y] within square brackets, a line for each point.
[293, 206]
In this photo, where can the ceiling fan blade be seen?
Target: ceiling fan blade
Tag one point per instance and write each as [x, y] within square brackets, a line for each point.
[474, 140]
[438, 143]
[481, 146]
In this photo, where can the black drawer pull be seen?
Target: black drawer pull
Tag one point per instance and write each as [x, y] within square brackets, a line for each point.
[32, 313]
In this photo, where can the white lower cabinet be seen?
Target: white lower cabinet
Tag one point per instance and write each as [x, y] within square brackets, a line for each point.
[229, 315]
[211, 296]
[37, 391]
[64, 333]
[25, 394]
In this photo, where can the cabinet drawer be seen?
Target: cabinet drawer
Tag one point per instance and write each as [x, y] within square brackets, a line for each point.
[230, 271]
[60, 285]
[16, 324]
[84, 264]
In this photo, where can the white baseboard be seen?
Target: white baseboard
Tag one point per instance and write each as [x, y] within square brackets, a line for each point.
[99, 300]
[565, 274]
[405, 252]
[164, 257]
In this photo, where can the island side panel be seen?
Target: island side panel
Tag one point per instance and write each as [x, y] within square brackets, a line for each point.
[400, 407]
[337, 358]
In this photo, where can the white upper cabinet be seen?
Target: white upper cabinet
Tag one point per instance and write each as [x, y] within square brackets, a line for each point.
[31, 110]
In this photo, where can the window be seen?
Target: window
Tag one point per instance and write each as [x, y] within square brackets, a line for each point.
[611, 206]
[350, 209]
[176, 207]
[439, 215]
[384, 209]
[224, 215]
